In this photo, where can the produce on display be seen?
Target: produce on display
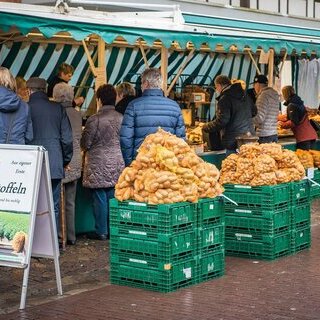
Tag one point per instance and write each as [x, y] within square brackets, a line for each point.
[166, 170]
[309, 158]
[261, 164]
[194, 135]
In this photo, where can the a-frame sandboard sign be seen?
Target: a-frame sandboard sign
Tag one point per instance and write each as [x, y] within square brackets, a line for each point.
[27, 222]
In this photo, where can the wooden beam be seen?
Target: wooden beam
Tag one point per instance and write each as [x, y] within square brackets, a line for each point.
[254, 62]
[144, 55]
[283, 61]
[101, 71]
[91, 64]
[164, 69]
[86, 76]
[270, 67]
[180, 71]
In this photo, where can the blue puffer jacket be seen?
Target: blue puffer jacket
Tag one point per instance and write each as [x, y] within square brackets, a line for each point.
[144, 116]
[15, 113]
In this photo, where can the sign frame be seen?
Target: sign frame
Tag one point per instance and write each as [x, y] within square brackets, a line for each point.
[42, 238]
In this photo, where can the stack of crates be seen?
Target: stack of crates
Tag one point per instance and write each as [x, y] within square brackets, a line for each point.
[165, 247]
[210, 235]
[300, 216]
[259, 226]
[269, 221]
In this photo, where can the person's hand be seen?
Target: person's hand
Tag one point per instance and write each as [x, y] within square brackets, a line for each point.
[205, 127]
[78, 101]
[67, 168]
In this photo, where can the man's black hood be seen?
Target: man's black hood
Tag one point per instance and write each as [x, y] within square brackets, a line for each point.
[234, 91]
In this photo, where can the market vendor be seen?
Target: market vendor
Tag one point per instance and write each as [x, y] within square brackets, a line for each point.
[234, 113]
[297, 119]
[65, 73]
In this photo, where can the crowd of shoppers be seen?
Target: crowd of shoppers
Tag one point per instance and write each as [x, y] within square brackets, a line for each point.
[112, 136]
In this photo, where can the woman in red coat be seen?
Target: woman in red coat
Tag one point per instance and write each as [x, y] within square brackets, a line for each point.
[297, 120]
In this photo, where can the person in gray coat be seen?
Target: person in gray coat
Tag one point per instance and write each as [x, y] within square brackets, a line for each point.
[267, 104]
[103, 162]
[52, 130]
[64, 94]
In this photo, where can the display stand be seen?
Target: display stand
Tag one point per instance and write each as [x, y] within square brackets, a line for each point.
[27, 221]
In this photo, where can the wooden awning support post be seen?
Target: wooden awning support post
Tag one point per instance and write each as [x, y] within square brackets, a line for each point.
[254, 62]
[145, 59]
[164, 69]
[99, 72]
[180, 71]
[283, 61]
[270, 67]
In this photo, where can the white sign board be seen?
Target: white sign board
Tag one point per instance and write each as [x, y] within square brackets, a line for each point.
[27, 222]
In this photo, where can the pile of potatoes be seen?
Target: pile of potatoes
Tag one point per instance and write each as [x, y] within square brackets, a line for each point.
[309, 158]
[261, 164]
[166, 170]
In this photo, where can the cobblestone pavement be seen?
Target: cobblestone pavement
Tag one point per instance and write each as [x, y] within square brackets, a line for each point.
[285, 289]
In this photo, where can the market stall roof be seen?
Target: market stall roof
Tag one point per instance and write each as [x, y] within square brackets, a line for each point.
[168, 27]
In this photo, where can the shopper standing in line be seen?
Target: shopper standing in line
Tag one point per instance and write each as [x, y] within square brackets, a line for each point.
[15, 117]
[147, 113]
[103, 162]
[52, 130]
[63, 93]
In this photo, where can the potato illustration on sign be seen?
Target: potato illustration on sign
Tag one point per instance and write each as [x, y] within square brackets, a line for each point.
[18, 241]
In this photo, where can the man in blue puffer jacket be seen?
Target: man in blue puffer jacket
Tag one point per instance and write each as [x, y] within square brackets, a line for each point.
[146, 114]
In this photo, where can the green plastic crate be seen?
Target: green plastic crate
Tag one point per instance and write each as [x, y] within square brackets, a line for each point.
[175, 248]
[300, 215]
[176, 276]
[255, 197]
[210, 238]
[300, 192]
[210, 211]
[300, 239]
[211, 266]
[314, 191]
[162, 218]
[269, 248]
[270, 223]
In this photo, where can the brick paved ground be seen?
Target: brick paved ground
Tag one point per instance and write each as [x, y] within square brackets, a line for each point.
[285, 289]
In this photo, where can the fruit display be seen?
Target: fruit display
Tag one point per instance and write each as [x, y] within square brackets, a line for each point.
[167, 170]
[261, 164]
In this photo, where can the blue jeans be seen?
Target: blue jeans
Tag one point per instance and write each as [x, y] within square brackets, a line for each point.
[268, 139]
[101, 197]
[56, 194]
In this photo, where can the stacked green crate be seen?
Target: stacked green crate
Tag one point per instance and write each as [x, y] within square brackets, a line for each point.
[210, 239]
[300, 215]
[153, 246]
[259, 225]
[315, 188]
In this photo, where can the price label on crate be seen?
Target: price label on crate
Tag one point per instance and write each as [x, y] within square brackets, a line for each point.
[310, 173]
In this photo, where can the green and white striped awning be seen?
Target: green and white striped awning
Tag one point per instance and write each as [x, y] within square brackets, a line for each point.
[122, 64]
[199, 30]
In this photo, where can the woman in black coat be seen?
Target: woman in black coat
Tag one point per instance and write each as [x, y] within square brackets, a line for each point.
[125, 94]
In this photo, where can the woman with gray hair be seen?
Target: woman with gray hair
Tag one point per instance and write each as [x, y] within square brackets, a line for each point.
[63, 93]
[15, 117]
[125, 94]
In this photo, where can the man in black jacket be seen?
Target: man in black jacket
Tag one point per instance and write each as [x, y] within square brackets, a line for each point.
[52, 130]
[234, 113]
